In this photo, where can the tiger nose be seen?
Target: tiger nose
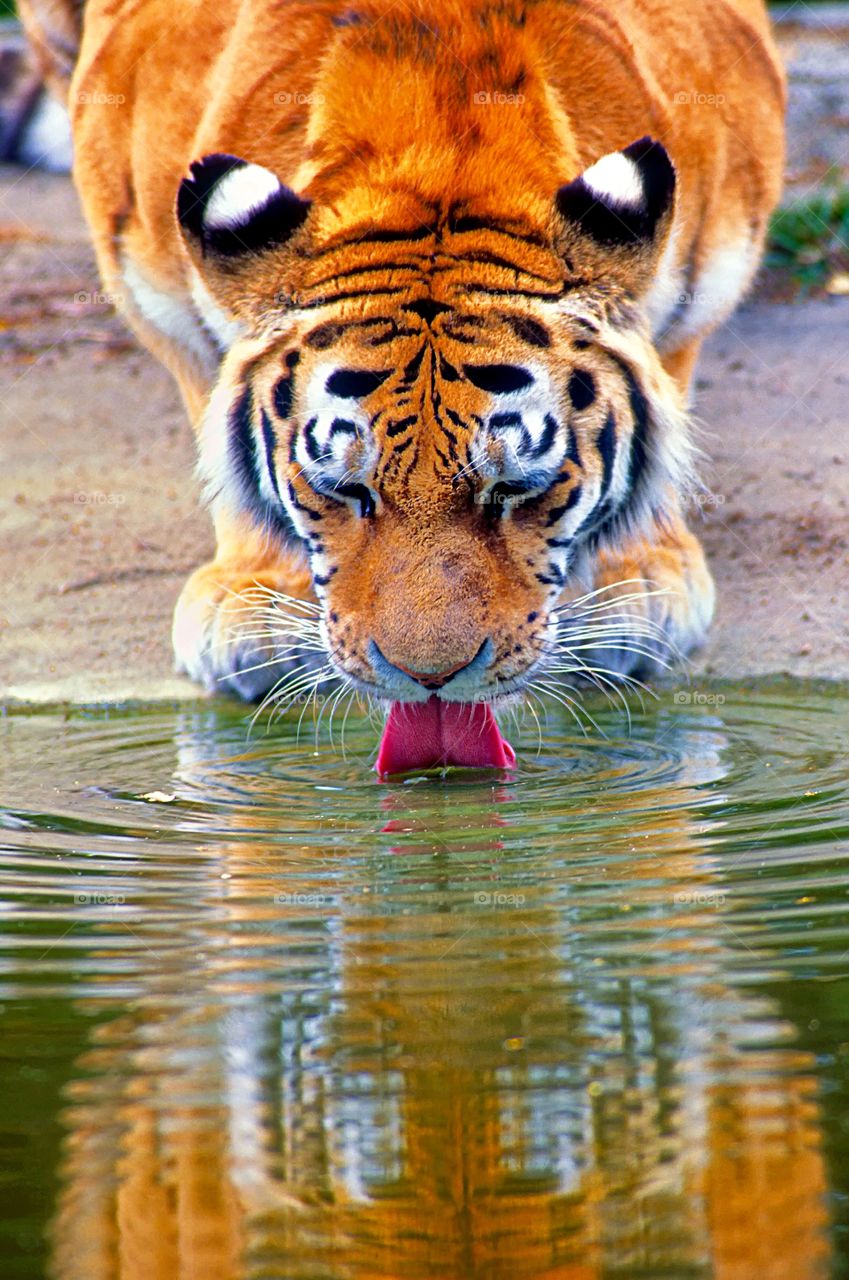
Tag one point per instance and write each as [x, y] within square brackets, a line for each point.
[432, 680]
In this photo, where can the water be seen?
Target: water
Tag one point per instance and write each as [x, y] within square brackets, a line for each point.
[286, 1022]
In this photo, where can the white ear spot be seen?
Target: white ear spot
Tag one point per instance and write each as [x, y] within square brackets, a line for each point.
[239, 195]
[615, 179]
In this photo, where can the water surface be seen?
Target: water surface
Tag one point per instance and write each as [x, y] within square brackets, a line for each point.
[282, 1021]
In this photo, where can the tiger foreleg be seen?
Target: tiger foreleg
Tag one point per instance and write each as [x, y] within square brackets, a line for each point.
[247, 621]
[651, 604]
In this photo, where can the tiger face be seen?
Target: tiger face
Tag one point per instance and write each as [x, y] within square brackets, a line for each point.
[449, 415]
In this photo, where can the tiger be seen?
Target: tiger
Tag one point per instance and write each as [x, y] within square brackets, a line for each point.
[433, 278]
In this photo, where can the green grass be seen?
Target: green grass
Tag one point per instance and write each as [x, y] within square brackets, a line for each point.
[810, 237]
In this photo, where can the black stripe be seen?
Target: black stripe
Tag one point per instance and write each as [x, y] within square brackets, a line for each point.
[462, 321]
[364, 270]
[301, 506]
[387, 236]
[342, 427]
[242, 442]
[606, 445]
[514, 293]
[354, 384]
[548, 436]
[324, 335]
[499, 420]
[638, 460]
[599, 522]
[467, 339]
[426, 309]
[283, 395]
[581, 389]
[310, 442]
[331, 299]
[243, 452]
[395, 331]
[639, 404]
[498, 379]
[572, 454]
[411, 372]
[557, 513]
[395, 428]
[460, 422]
[269, 440]
[554, 578]
[446, 431]
[488, 258]
[529, 330]
[462, 225]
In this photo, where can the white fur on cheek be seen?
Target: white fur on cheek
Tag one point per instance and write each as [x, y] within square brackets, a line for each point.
[239, 194]
[616, 180]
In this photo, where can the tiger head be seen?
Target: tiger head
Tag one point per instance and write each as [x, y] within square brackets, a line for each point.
[447, 410]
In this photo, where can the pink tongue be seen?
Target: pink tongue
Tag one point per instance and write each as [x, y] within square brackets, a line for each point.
[419, 735]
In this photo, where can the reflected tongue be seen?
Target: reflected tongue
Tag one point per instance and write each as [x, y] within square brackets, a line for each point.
[419, 735]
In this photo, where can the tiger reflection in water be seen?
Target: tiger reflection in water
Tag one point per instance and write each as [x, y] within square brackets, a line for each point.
[399, 1088]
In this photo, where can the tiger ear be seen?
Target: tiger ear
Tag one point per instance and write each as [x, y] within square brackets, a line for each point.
[619, 212]
[231, 211]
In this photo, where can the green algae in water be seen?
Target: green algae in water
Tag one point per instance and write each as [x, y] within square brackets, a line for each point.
[588, 1020]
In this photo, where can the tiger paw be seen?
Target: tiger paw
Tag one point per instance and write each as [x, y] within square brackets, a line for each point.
[241, 633]
[652, 603]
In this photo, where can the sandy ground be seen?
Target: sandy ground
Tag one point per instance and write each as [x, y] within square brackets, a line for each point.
[99, 515]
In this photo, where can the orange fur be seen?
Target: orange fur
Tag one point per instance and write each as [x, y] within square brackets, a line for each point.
[450, 124]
